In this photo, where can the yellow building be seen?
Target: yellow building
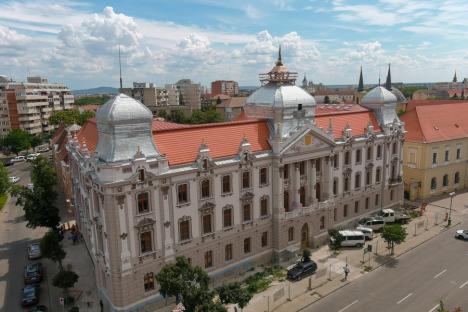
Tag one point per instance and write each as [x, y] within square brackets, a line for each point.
[435, 152]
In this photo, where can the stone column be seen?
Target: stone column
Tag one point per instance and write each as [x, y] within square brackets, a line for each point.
[328, 179]
[313, 180]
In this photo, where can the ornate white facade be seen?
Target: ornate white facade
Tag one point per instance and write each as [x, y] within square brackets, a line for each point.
[227, 211]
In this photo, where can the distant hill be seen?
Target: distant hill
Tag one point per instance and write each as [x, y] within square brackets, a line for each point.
[94, 91]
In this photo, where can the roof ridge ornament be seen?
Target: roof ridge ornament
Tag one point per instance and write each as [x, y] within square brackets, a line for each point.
[279, 74]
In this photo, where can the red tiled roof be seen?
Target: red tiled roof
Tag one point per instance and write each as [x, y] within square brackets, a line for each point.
[357, 121]
[435, 123]
[338, 109]
[58, 136]
[412, 104]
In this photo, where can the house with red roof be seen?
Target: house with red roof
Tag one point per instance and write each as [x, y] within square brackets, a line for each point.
[227, 196]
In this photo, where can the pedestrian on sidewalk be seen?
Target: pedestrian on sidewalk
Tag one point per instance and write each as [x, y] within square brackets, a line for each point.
[346, 272]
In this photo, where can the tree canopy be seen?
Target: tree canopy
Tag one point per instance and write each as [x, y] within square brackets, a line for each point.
[70, 116]
[17, 140]
[337, 238]
[234, 293]
[92, 100]
[393, 234]
[4, 179]
[52, 248]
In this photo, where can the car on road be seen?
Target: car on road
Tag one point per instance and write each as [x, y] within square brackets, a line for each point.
[368, 233]
[34, 251]
[42, 149]
[461, 234]
[39, 308]
[32, 156]
[351, 238]
[18, 158]
[14, 179]
[30, 295]
[391, 216]
[302, 270]
[33, 273]
[372, 223]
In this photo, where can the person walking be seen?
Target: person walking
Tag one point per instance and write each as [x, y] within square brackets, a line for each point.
[346, 272]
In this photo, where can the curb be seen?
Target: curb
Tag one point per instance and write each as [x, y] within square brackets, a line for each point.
[380, 265]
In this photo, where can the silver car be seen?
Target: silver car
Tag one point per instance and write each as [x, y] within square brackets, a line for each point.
[34, 251]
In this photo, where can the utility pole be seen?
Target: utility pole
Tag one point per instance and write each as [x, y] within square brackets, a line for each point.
[449, 221]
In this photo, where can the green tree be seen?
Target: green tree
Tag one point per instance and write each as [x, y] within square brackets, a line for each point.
[233, 293]
[65, 280]
[177, 116]
[210, 306]
[52, 248]
[162, 114]
[39, 205]
[4, 179]
[70, 116]
[35, 140]
[306, 255]
[91, 100]
[85, 116]
[187, 283]
[17, 140]
[335, 239]
[393, 234]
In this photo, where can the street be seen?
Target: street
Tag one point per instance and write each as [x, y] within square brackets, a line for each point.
[14, 237]
[415, 281]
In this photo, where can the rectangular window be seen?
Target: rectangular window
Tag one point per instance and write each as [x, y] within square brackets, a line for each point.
[368, 177]
[302, 170]
[345, 211]
[146, 242]
[356, 206]
[379, 151]
[358, 156]
[245, 179]
[247, 217]
[367, 203]
[369, 153]
[357, 180]
[207, 223]
[458, 152]
[376, 199]
[228, 252]
[227, 217]
[334, 214]
[247, 245]
[434, 158]
[377, 175]
[184, 230]
[264, 207]
[226, 181]
[205, 189]
[346, 184]
[394, 148]
[336, 161]
[286, 171]
[264, 239]
[318, 165]
[335, 186]
[208, 259]
[182, 193]
[447, 155]
[346, 158]
[263, 176]
[143, 202]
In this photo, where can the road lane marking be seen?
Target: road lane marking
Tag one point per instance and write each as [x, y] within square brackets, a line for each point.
[349, 305]
[434, 308]
[439, 274]
[403, 299]
[463, 285]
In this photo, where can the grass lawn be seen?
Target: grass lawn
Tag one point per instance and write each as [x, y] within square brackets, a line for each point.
[3, 199]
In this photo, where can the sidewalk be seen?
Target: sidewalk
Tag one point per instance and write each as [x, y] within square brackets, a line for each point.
[286, 296]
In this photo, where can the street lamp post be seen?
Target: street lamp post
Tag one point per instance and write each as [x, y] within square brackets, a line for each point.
[449, 220]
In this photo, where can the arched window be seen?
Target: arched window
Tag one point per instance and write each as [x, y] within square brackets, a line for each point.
[445, 180]
[291, 234]
[433, 183]
[141, 174]
[149, 281]
[457, 178]
[205, 188]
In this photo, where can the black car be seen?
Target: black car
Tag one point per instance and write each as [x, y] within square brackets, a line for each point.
[30, 295]
[302, 270]
[33, 273]
[39, 308]
[8, 162]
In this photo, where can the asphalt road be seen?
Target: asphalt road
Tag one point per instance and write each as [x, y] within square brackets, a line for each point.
[416, 281]
[14, 238]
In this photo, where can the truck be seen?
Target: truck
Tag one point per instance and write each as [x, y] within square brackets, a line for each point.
[390, 216]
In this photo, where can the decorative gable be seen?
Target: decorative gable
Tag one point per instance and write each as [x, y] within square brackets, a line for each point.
[309, 140]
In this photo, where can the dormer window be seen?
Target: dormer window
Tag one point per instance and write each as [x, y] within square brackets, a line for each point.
[141, 174]
[299, 107]
[205, 164]
[246, 157]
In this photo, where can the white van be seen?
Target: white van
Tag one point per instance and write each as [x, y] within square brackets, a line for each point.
[352, 238]
[372, 223]
[368, 233]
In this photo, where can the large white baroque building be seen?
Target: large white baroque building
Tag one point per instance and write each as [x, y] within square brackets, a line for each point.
[230, 195]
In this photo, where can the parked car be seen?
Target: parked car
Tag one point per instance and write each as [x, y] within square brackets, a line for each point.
[42, 149]
[390, 216]
[33, 273]
[32, 156]
[30, 295]
[34, 251]
[372, 223]
[39, 308]
[8, 162]
[462, 234]
[14, 179]
[351, 238]
[18, 158]
[302, 270]
[368, 233]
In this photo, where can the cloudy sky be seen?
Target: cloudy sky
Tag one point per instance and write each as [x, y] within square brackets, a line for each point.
[162, 41]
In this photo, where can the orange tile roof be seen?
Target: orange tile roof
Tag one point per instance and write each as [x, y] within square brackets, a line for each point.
[435, 123]
[412, 104]
[338, 109]
[357, 121]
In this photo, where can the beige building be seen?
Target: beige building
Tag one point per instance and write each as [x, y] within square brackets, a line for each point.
[228, 87]
[189, 93]
[228, 196]
[28, 105]
[435, 153]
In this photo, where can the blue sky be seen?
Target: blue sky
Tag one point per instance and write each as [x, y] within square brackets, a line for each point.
[76, 42]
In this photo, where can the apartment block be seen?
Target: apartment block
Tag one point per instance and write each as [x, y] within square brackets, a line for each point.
[189, 93]
[228, 87]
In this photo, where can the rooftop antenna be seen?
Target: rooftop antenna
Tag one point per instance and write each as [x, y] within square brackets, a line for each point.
[120, 70]
[379, 77]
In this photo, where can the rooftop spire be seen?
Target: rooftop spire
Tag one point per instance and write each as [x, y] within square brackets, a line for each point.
[279, 62]
[379, 77]
[455, 77]
[388, 83]
[120, 71]
[361, 82]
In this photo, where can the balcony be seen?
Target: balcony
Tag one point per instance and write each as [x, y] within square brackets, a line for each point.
[395, 181]
[304, 211]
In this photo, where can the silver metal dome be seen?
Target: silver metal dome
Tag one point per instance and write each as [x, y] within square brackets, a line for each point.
[379, 95]
[124, 130]
[284, 96]
[399, 95]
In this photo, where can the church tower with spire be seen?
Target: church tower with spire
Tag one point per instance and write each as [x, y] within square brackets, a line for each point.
[455, 77]
[388, 82]
[360, 89]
